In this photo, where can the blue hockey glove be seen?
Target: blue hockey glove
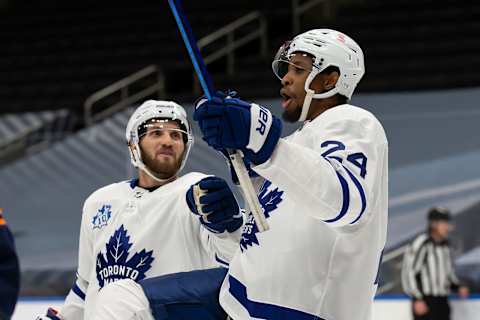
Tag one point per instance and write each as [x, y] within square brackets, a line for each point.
[231, 123]
[52, 314]
[213, 201]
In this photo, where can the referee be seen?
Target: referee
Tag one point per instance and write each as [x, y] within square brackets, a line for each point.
[428, 274]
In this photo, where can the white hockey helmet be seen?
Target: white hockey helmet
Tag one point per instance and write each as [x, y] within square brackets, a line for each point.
[327, 48]
[156, 109]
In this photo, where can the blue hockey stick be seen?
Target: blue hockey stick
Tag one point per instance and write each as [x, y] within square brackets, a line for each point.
[207, 86]
[191, 45]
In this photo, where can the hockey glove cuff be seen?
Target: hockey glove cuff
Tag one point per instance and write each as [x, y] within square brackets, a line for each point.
[214, 203]
[230, 123]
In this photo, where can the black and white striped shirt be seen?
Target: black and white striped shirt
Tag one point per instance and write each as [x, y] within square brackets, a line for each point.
[428, 268]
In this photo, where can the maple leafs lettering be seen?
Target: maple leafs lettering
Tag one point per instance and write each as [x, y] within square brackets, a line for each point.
[115, 265]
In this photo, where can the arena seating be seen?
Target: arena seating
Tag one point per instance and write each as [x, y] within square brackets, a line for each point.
[56, 53]
[21, 133]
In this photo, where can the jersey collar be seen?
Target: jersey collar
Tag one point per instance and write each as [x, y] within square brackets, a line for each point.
[134, 184]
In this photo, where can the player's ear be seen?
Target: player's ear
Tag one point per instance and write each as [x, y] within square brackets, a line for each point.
[330, 79]
[325, 80]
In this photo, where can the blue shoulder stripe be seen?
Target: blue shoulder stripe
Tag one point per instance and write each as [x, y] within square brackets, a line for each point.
[78, 291]
[264, 310]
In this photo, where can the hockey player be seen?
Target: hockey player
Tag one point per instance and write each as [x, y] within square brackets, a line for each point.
[324, 193]
[323, 190]
[150, 226]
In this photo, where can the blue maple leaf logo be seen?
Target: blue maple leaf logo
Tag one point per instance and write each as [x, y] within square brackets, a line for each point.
[269, 202]
[114, 265]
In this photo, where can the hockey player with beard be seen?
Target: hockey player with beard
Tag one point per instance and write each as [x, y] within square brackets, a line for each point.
[150, 226]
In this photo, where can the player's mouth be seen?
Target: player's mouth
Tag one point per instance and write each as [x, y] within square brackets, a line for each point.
[166, 152]
[287, 99]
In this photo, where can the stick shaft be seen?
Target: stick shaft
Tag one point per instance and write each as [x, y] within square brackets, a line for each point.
[248, 190]
[191, 45]
[207, 86]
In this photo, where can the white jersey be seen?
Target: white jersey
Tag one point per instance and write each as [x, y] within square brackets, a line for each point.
[130, 232]
[324, 192]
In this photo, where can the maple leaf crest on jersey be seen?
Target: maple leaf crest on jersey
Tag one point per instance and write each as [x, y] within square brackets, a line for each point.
[269, 202]
[115, 266]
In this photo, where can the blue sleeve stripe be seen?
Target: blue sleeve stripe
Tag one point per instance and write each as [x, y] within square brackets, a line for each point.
[78, 291]
[264, 310]
[362, 194]
[221, 261]
[346, 197]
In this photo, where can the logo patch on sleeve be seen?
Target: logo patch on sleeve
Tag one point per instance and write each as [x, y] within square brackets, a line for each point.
[104, 214]
[115, 266]
[269, 202]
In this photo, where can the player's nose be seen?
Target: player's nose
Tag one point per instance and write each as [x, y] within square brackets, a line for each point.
[166, 148]
[166, 140]
[286, 80]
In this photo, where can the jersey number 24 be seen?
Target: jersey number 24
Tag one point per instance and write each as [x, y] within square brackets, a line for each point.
[358, 159]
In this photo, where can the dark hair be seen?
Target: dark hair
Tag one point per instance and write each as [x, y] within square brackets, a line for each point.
[438, 214]
[330, 69]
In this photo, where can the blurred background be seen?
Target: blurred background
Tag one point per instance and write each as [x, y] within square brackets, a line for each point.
[71, 73]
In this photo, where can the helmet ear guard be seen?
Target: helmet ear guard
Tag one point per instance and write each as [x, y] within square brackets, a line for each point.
[135, 155]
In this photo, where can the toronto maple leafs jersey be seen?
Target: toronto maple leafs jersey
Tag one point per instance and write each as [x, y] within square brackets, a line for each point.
[130, 232]
[324, 193]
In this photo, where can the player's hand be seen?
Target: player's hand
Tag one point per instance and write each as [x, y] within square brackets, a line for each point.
[52, 314]
[231, 123]
[213, 201]
[420, 307]
[463, 292]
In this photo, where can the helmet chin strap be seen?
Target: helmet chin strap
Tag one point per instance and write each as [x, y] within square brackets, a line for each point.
[306, 104]
[151, 175]
[312, 95]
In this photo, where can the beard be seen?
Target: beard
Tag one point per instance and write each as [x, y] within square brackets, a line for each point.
[292, 115]
[163, 169]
